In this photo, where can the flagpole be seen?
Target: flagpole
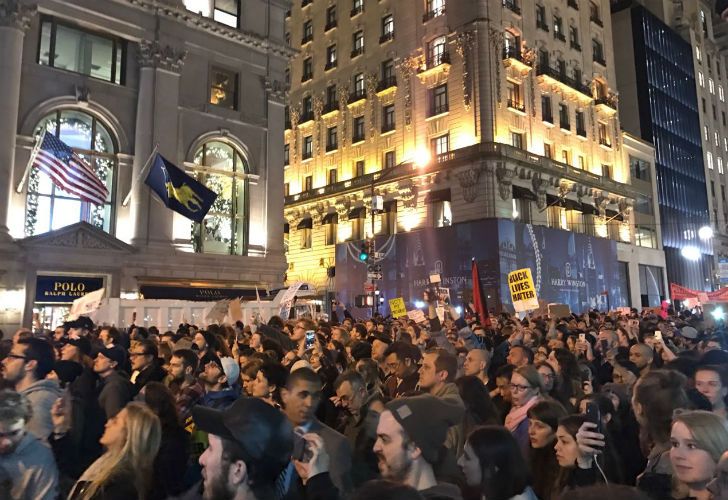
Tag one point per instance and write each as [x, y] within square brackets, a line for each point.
[33, 154]
[143, 171]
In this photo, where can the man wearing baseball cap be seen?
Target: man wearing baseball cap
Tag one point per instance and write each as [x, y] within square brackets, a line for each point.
[250, 444]
[116, 388]
[220, 378]
[410, 442]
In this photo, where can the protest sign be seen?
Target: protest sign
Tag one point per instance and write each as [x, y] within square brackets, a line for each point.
[397, 307]
[523, 292]
[417, 316]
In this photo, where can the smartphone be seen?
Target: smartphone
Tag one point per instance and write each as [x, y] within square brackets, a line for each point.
[310, 338]
[658, 336]
[301, 451]
[605, 346]
[582, 337]
[594, 416]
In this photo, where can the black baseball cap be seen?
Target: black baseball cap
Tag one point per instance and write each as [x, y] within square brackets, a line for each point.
[114, 353]
[83, 322]
[263, 433]
[83, 344]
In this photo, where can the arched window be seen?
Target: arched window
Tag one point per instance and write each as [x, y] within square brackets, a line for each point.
[225, 229]
[49, 207]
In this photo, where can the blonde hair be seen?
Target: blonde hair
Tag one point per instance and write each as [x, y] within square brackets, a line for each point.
[135, 457]
[709, 431]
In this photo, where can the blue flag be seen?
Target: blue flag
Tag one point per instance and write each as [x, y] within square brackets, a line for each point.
[179, 191]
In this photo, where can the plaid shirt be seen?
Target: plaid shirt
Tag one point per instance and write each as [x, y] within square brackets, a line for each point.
[186, 396]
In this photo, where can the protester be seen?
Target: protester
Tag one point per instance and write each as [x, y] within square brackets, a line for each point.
[401, 361]
[526, 391]
[145, 364]
[115, 388]
[479, 408]
[712, 382]
[27, 468]
[493, 463]
[219, 378]
[477, 364]
[410, 436]
[543, 422]
[26, 367]
[182, 383]
[268, 382]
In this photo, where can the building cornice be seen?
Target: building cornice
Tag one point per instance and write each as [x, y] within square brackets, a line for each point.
[173, 9]
[16, 14]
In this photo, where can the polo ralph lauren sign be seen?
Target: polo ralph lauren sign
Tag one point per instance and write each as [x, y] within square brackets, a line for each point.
[64, 289]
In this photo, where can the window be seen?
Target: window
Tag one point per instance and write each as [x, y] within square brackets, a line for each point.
[358, 225]
[517, 140]
[725, 143]
[388, 118]
[333, 176]
[330, 231]
[704, 104]
[607, 171]
[287, 189]
[440, 145]
[434, 8]
[387, 28]
[574, 38]
[711, 85]
[307, 109]
[701, 79]
[48, 207]
[307, 152]
[223, 11]
[548, 150]
[522, 210]
[715, 138]
[643, 205]
[330, 18]
[442, 214]
[639, 169]
[73, 49]
[705, 132]
[359, 90]
[331, 101]
[565, 156]
[224, 88]
[388, 78]
[559, 29]
[224, 230]
[438, 100]
[721, 95]
[720, 165]
[709, 157]
[357, 7]
[359, 168]
[307, 32]
[582, 162]
[330, 57]
[546, 109]
[580, 124]
[307, 69]
[595, 14]
[308, 183]
[357, 129]
[645, 237]
[332, 140]
[305, 238]
[598, 52]
[698, 55]
[357, 44]
[541, 18]
[388, 218]
[604, 139]
[389, 159]
[564, 117]
[437, 52]
[286, 154]
[515, 101]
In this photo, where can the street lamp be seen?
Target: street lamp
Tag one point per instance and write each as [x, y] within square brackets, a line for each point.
[705, 233]
[420, 159]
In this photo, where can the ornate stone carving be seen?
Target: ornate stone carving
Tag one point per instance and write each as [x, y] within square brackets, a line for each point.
[371, 86]
[342, 94]
[154, 54]
[407, 68]
[318, 107]
[15, 14]
[539, 187]
[408, 193]
[496, 40]
[277, 91]
[504, 175]
[343, 206]
[601, 202]
[464, 47]
[469, 182]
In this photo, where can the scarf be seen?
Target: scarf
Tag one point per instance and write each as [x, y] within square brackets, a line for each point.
[519, 414]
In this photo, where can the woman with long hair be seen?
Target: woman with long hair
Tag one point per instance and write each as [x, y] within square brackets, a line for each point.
[479, 408]
[698, 440]
[526, 386]
[269, 380]
[568, 387]
[543, 421]
[171, 462]
[132, 440]
[657, 394]
[493, 464]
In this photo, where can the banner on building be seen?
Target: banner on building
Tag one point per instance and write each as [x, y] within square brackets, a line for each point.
[523, 291]
[679, 292]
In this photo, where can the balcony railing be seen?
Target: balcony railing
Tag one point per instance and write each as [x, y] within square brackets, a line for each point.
[580, 131]
[330, 25]
[330, 107]
[357, 52]
[357, 138]
[604, 141]
[306, 38]
[512, 5]
[597, 20]
[436, 60]
[438, 109]
[513, 53]
[560, 76]
[575, 45]
[599, 59]
[386, 37]
[559, 36]
[307, 155]
[517, 104]
[387, 127]
[330, 65]
[385, 83]
[357, 95]
[306, 117]
[606, 101]
[306, 77]
[433, 14]
[332, 147]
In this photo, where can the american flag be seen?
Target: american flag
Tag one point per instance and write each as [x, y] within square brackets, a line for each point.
[69, 171]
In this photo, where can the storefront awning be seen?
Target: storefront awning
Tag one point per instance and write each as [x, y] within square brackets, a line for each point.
[437, 196]
[330, 218]
[207, 294]
[306, 223]
[521, 193]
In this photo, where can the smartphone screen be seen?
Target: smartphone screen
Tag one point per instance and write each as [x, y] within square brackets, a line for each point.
[310, 338]
[593, 415]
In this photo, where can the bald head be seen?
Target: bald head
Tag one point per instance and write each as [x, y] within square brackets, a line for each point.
[476, 362]
[641, 355]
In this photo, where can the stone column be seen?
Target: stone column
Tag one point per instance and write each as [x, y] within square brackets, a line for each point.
[14, 21]
[157, 122]
[274, 172]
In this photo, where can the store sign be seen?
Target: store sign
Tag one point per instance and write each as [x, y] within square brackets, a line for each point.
[205, 294]
[64, 289]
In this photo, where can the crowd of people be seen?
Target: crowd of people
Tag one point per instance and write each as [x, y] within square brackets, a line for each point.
[596, 405]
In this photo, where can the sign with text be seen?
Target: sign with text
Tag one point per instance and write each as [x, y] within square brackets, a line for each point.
[65, 289]
[417, 316]
[397, 307]
[523, 292]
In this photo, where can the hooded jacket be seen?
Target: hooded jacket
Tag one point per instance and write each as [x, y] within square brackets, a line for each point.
[41, 394]
[31, 471]
[455, 439]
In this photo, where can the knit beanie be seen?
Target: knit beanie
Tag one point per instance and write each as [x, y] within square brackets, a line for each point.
[426, 420]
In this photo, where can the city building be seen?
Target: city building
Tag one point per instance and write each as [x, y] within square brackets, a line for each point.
[448, 114]
[202, 81]
[678, 104]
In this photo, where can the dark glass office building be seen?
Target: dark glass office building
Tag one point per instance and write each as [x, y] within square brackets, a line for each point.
[666, 99]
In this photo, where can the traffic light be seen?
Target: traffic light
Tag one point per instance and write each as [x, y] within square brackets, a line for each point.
[364, 251]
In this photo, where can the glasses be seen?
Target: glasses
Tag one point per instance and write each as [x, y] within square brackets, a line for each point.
[16, 356]
[547, 375]
[519, 388]
[139, 353]
[11, 434]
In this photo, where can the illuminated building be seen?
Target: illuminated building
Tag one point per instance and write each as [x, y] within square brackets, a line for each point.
[471, 109]
[203, 80]
[679, 105]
